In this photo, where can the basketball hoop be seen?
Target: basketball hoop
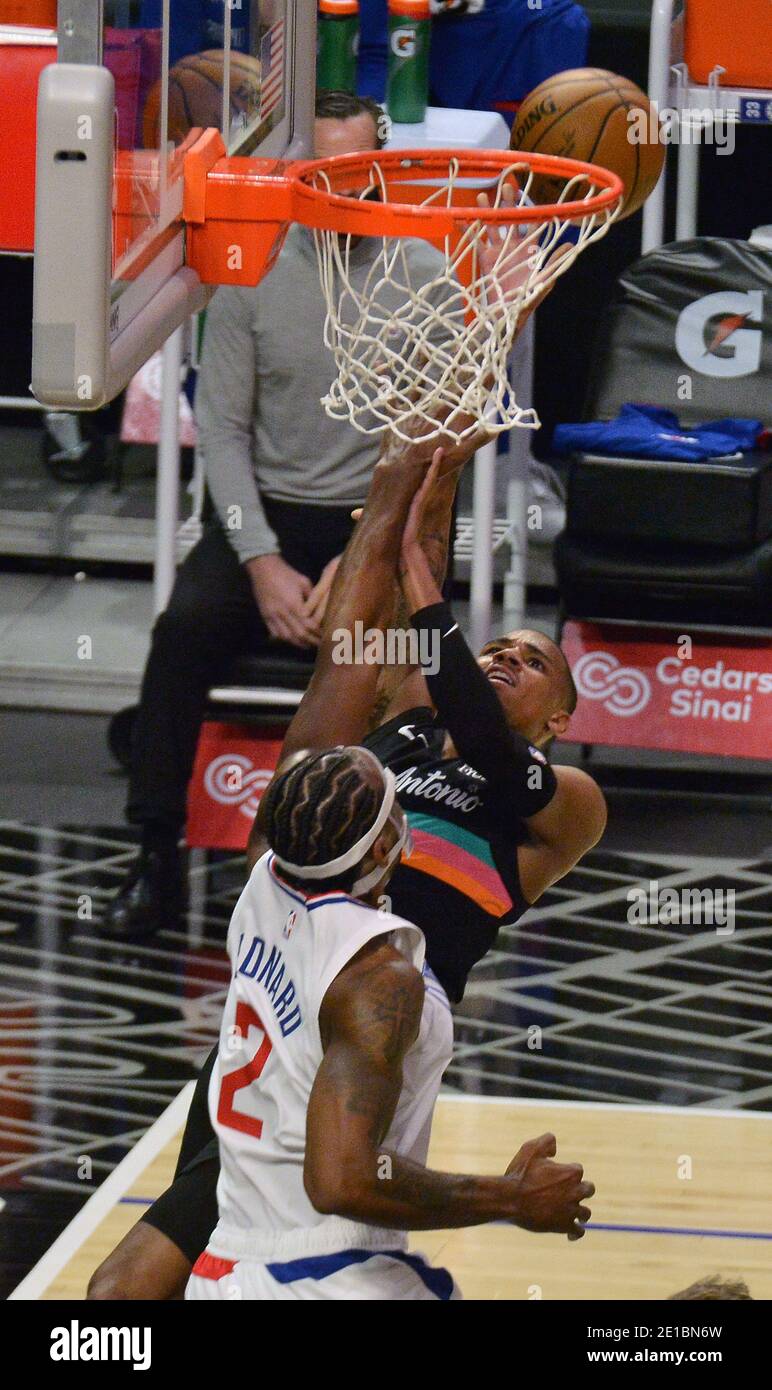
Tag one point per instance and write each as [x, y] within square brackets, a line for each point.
[429, 357]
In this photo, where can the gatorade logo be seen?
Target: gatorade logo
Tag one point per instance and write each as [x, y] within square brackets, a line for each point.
[712, 335]
[404, 43]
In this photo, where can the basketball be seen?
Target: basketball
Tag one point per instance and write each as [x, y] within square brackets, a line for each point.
[600, 118]
[195, 95]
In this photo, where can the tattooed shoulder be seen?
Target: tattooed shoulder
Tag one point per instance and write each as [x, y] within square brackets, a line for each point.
[385, 1006]
[394, 1013]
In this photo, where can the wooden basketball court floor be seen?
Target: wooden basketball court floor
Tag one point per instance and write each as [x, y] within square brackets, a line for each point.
[681, 1194]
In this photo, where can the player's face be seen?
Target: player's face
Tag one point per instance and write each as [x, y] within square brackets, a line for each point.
[526, 671]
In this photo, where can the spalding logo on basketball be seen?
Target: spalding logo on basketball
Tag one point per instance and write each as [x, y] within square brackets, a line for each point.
[403, 43]
[536, 114]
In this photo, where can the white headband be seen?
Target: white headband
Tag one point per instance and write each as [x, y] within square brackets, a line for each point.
[357, 852]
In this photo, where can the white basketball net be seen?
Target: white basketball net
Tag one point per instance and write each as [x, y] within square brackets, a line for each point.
[429, 357]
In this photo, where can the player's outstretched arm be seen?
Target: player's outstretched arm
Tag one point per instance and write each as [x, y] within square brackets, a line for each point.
[369, 1019]
[563, 808]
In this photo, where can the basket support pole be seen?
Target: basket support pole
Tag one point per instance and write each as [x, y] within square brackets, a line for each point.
[483, 509]
[168, 472]
[659, 91]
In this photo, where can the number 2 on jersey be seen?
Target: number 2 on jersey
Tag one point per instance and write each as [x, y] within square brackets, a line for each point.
[246, 1018]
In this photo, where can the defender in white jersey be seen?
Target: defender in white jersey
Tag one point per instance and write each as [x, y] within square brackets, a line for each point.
[287, 948]
[334, 1040]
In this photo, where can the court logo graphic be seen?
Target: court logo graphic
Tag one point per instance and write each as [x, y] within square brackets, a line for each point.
[624, 690]
[233, 780]
[713, 335]
[403, 43]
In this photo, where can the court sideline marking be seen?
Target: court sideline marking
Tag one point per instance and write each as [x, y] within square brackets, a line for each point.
[34, 1284]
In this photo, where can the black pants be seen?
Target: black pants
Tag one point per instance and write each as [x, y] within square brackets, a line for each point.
[212, 618]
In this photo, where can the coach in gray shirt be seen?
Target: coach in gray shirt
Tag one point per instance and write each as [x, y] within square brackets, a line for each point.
[283, 478]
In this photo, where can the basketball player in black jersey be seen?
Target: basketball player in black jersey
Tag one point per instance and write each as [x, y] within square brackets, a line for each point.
[493, 824]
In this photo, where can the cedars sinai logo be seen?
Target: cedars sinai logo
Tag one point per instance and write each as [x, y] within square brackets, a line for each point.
[233, 780]
[715, 691]
[624, 690]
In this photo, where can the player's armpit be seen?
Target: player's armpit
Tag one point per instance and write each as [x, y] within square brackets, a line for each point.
[338, 703]
[410, 693]
[562, 832]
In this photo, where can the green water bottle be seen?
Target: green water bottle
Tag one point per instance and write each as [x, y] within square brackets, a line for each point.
[336, 66]
[408, 81]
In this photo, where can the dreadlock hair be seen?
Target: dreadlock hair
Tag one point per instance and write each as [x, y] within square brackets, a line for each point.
[317, 810]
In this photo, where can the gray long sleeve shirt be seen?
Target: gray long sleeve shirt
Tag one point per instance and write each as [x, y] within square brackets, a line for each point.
[261, 427]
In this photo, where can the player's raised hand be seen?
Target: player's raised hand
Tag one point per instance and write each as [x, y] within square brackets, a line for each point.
[511, 261]
[455, 453]
[507, 253]
[550, 1196]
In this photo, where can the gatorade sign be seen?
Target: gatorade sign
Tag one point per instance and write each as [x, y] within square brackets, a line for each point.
[716, 335]
[637, 691]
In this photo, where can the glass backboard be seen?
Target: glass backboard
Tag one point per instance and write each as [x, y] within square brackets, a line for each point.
[136, 83]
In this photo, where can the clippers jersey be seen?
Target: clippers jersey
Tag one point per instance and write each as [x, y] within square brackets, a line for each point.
[286, 948]
[461, 882]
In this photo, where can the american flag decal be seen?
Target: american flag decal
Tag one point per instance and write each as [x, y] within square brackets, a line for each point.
[272, 69]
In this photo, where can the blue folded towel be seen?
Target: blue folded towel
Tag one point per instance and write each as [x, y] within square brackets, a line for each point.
[645, 431]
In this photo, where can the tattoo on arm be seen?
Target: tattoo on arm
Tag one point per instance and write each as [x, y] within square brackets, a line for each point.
[389, 1020]
[378, 1019]
[370, 1018]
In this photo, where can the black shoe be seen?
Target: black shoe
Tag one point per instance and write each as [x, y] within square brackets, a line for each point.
[149, 900]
